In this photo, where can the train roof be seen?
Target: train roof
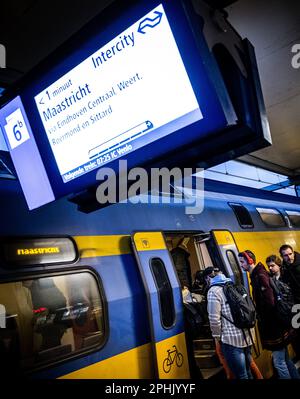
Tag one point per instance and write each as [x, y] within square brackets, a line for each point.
[235, 189]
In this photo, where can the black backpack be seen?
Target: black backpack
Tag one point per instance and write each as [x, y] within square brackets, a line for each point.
[284, 301]
[241, 306]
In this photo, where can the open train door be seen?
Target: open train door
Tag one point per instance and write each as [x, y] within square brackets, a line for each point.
[165, 309]
[228, 255]
[227, 252]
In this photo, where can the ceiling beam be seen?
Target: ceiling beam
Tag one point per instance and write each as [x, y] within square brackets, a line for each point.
[272, 167]
[278, 186]
[283, 184]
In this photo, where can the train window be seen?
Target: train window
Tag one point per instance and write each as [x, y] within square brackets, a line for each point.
[242, 214]
[165, 293]
[49, 318]
[238, 279]
[294, 217]
[271, 217]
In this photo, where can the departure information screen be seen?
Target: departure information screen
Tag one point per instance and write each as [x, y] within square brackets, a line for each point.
[130, 92]
[139, 83]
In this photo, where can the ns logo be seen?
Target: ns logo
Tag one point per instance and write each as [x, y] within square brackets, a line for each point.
[296, 58]
[296, 317]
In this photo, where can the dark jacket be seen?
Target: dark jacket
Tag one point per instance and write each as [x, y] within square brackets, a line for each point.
[274, 336]
[291, 276]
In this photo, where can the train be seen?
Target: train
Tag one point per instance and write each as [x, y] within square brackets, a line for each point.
[97, 294]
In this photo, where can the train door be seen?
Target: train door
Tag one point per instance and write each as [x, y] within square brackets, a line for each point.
[226, 252]
[191, 256]
[164, 302]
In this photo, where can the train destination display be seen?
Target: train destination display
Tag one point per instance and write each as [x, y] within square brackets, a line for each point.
[130, 92]
[141, 83]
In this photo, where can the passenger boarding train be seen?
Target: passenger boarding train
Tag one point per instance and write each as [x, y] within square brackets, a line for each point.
[96, 295]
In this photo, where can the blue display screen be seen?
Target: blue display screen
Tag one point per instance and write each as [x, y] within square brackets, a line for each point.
[134, 86]
[128, 93]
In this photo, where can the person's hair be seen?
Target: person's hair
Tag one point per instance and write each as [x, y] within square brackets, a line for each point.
[250, 255]
[275, 259]
[208, 271]
[284, 247]
[199, 276]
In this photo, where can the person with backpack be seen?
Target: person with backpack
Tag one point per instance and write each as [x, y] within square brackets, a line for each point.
[272, 334]
[283, 303]
[235, 342]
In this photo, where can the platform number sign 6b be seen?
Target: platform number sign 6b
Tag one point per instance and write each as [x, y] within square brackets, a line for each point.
[16, 129]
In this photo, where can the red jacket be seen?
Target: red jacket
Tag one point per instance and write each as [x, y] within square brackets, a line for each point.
[273, 335]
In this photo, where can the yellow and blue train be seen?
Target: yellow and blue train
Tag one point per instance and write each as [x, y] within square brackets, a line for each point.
[96, 295]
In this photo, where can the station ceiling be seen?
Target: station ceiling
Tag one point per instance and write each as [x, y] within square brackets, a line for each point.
[273, 27]
[32, 29]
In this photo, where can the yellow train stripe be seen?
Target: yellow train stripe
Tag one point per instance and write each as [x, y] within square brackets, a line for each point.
[112, 245]
[223, 237]
[149, 241]
[265, 243]
[93, 246]
[135, 363]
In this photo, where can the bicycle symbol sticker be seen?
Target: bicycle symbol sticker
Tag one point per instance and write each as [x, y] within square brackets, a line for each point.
[173, 356]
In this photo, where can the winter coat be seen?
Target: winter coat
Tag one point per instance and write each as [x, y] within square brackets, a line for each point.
[291, 276]
[274, 335]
